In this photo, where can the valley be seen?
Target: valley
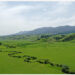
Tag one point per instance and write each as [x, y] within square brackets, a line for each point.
[43, 54]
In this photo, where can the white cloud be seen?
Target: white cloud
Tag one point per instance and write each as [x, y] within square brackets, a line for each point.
[28, 17]
[11, 20]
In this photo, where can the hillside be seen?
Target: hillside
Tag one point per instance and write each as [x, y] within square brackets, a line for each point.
[46, 33]
[44, 56]
[38, 54]
[57, 38]
[49, 30]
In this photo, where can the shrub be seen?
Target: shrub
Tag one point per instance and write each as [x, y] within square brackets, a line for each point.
[19, 52]
[26, 60]
[29, 58]
[0, 43]
[65, 70]
[34, 57]
[18, 56]
[71, 72]
[43, 61]
[58, 65]
[46, 61]
[10, 46]
[69, 37]
[51, 64]
[40, 62]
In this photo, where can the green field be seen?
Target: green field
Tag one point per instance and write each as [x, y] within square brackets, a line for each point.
[15, 57]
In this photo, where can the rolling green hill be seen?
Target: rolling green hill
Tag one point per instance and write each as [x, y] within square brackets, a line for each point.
[38, 54]
[49, 30]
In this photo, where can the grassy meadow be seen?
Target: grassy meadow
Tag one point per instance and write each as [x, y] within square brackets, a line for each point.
[37, 57]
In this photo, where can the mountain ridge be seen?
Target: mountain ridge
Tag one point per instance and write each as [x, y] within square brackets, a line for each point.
[49, 30]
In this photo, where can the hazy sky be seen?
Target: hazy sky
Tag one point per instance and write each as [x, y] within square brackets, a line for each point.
[23, 16]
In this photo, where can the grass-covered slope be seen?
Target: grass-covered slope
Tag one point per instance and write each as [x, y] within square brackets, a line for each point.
[40, 54]
[57, 38]
[15, 57]
[69, 37]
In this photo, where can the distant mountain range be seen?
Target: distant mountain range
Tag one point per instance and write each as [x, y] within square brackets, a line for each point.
[49, 30]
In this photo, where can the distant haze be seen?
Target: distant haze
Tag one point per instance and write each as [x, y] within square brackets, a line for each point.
[26, 16]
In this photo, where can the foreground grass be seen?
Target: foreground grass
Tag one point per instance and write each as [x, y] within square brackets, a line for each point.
[57, 52]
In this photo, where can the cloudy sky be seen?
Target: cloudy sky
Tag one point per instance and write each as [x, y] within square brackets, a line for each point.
[23, 16]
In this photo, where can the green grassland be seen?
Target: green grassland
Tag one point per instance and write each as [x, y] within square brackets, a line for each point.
[14, 55]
